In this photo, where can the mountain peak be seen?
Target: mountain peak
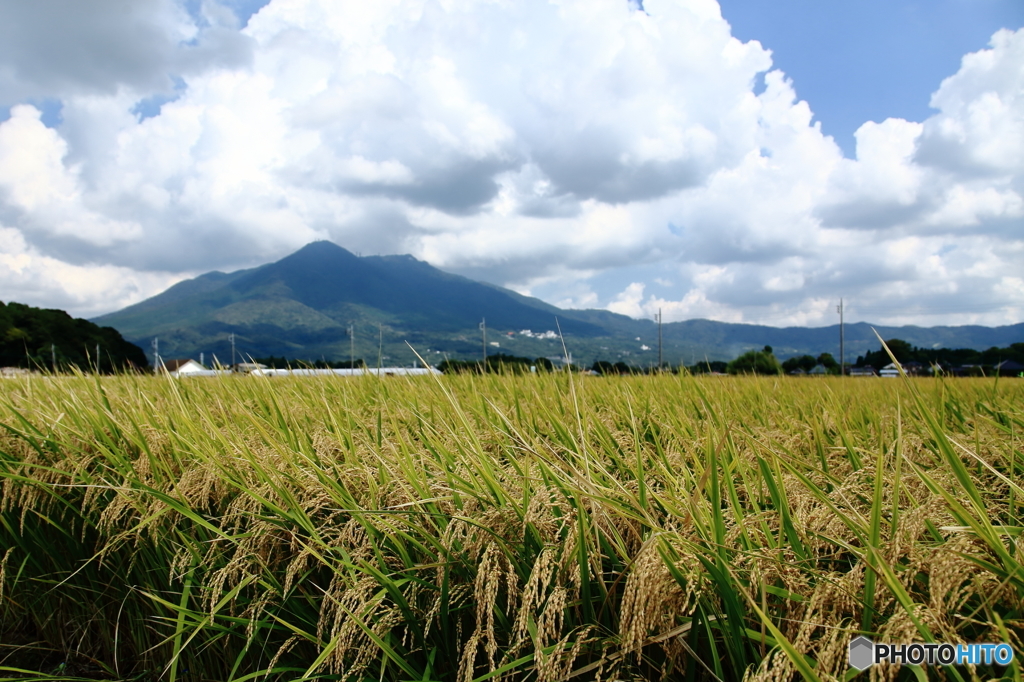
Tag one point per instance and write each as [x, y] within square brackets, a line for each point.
[322, 247]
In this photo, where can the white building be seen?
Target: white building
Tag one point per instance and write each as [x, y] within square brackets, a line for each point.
[891, 370]
[186, 368]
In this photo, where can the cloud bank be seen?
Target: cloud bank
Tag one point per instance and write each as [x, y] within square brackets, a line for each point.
[590, 153]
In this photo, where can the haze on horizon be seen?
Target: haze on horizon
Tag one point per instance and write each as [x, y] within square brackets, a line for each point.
[615, 154]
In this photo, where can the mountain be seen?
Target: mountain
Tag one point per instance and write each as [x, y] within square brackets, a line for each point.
[302, 306]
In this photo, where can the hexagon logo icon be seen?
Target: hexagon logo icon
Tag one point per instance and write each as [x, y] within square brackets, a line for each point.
[862, 653]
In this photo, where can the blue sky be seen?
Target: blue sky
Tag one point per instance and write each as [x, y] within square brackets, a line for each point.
[872, 59]
[748, 162]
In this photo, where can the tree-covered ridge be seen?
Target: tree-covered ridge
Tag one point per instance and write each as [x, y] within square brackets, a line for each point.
[50, 339]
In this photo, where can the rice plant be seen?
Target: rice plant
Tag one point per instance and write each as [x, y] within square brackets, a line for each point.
[470, 528]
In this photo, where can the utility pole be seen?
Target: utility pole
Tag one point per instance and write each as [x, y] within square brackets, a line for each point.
[231, 338]
[659, 341]
[53, 357]
[97, 358]
[483, 330]
[842, 349]
[380, 346]
[352, 347]
[155, 343]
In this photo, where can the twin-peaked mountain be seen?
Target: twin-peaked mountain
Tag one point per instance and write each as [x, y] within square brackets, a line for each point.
[303, 305]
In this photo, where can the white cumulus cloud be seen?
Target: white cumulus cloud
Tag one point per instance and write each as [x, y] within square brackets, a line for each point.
[584, 151]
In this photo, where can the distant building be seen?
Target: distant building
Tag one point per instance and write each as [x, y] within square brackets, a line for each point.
[818, 370]
[12, 372]
[185, 368]
[1009, 368]
[866, 371]
[248, 367]
[913, 368]
[891, 370]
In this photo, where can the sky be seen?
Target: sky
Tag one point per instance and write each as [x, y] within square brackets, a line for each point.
[744, 161]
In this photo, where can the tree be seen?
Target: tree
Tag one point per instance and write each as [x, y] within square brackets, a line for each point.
[450, 366]
[544, 365]
[804, 362]
[623, 368]
[902, 350]
[508, 364]
[707, 367]
[829, 363]
[755, 362]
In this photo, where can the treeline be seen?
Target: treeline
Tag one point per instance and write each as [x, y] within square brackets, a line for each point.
[966, 361]
[809, 362]
[752, 362]
[51, 340]
[946, 358]
[501, 363]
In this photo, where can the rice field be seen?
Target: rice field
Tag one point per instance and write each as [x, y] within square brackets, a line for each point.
[471, 528]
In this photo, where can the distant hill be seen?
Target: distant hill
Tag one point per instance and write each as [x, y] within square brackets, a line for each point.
[39, 337]
[302, 305]
[859, 337]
